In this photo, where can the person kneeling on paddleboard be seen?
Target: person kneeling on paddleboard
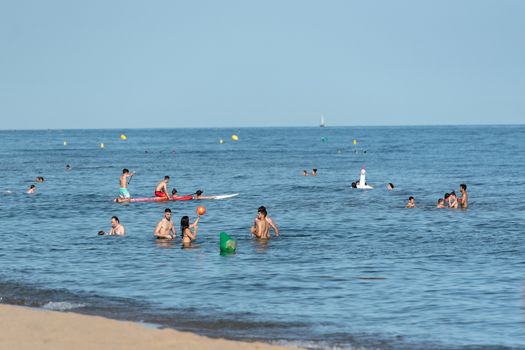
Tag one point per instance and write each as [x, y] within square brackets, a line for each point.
[162, 187]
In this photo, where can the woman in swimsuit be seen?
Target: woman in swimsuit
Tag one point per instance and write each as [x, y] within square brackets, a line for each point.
[185, 228]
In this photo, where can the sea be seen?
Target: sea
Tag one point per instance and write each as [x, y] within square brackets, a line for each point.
[351, 269]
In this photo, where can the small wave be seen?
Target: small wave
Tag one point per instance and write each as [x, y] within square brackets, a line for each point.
[61, 306]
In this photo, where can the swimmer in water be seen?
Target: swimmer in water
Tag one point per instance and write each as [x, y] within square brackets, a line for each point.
[165, 228]
[261, 227]
[117, 229]
[31, 189]
[463, 200]
[441, 203]
[68, 167]
[453, 200]
[314, 172]
[411, 203]
[162, 187]
[446, 197]
[390, 186]
[268, 219]
[305, 173]
[185, 228]
[39, 179]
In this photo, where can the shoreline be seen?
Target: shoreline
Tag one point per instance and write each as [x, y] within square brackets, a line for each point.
[32, 328]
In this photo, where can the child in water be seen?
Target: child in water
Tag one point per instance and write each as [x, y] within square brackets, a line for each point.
[441, 203]
[185, 228]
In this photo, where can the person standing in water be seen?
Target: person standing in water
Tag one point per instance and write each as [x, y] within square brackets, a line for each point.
[441, 203]
[123, 191]
[185, 228]
[269, 220]
[165, 228]
[261, 227]
[314, 172]
[117, 229]
[162, 188]
[305, 173]
[463, 200]
[453, 200]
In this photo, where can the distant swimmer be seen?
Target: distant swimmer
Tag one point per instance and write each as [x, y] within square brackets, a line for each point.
[32, 189]
[162, 187]
[68, 167]
[165, 228]
[305, 172]
[390, 186]
[453, 200]
[117, 229]
[441, 203]
[262, 210]
[39, 179]
[463, 200]
[123, 191]
[185, 227]
[314, 172]
[411, 203]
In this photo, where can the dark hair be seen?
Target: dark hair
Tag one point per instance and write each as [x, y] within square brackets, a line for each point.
[124, 171]
[116, 219]
[261, 208]
[314, 170]
[198, 193]
[446, 195]
[167, 210]
[262, 211]
[391, 184]
[409, 198]
[184, 224]
[174, 190]
[101, 233]
[354, 185]
[440, 200]
[463, 186]
[166, 177]
[452, 193]
[32, 186]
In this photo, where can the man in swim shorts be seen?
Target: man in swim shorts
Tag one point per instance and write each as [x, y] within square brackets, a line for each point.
[463, 200]
[123, 191]
[165, 227]
[162, 187]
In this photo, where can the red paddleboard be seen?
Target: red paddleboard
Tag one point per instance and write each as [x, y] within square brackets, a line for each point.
[155, 199]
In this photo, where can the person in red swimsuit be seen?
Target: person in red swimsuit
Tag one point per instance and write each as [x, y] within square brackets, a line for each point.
[162, 187]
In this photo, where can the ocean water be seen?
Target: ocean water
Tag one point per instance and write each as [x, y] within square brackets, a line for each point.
[352, 269]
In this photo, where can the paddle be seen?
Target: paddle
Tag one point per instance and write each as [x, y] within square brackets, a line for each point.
[129, 180]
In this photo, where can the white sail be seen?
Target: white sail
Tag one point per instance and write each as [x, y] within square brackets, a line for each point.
[322, 122]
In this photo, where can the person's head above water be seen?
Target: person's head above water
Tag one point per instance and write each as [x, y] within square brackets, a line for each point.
[463, 187]
[114, 221]
[441, 201]
[125, 171]
[390, 186]
[167, 213]
[262, 212]
[354, 185]
[166, 178]
[446, 196]
[184, 223]
[198, 193]
[305, 173]
[173, 191]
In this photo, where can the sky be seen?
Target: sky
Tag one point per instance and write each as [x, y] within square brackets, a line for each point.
[150, 64]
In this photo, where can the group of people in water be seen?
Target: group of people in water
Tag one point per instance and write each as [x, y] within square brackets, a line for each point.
[314, 172]
[165, 229]
[449, 200]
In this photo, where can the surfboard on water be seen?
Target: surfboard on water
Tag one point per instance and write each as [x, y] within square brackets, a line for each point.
[156, 199]
[222, 196]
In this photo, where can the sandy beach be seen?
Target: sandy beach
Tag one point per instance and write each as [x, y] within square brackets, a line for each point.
[26, 328]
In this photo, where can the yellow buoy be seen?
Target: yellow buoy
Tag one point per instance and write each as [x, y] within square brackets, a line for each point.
[123, 137]
[221, 141]
[235, 138]
[101, 145]
[355, 142]
[65, 143]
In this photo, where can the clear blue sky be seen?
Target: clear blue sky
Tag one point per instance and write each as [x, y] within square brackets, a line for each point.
[129, 64]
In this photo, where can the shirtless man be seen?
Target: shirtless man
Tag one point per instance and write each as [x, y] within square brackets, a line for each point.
[463, 200]
[453, 200]
[411, 203]
[117, 229]
[162, 187]
[261, 227]
[123, 191]
[165, 226]
[269, 220]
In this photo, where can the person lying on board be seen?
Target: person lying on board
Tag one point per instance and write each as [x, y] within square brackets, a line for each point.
[198, 195]
[165, 228]
[162, 187]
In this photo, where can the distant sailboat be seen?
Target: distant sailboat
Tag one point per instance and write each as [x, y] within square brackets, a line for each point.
[322, 122]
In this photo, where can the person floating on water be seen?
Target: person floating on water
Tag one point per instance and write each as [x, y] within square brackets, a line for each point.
[165, 228]
[123, 190]
[463, 200]
[39, 179]
[263, 214]
[305, 172]
[390, 186]
[314, 172]
[185, 227]
[441, 203]
[411, 203]
[162, 187]
[31, 189]
[117, 229]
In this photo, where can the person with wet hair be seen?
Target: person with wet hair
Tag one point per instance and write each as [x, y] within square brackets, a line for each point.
[411, 204]
[185, 230]
[463, 200]
[165, 228]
